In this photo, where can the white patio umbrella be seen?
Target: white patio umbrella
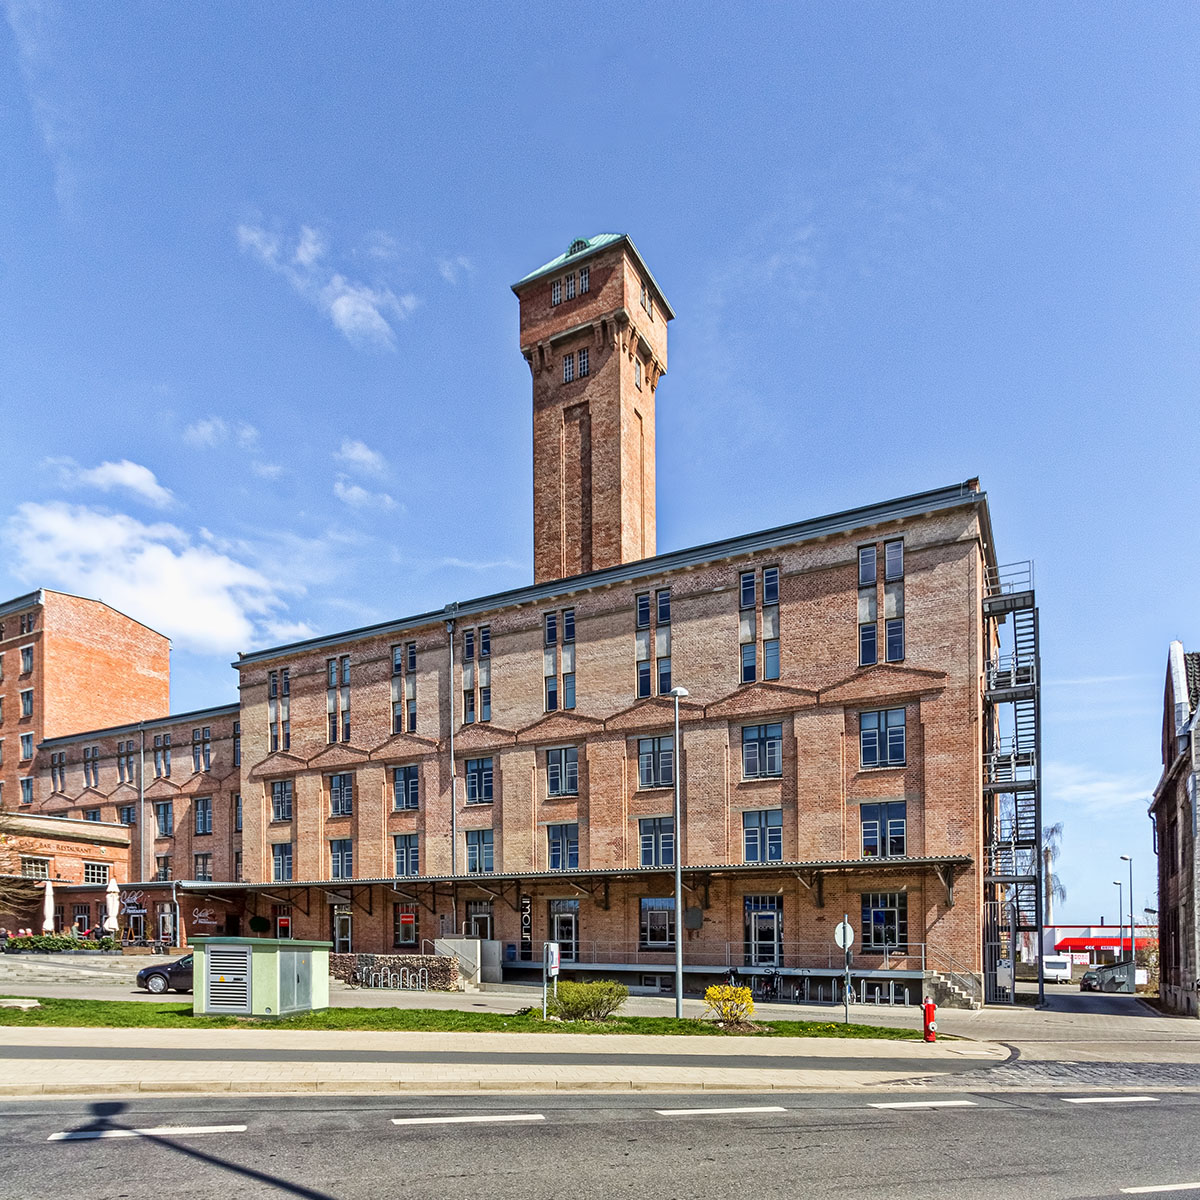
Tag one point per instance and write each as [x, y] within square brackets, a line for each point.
[48, 909]
[111, 901]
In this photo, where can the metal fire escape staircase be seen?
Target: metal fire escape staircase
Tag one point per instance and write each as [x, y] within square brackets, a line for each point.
[1012, 778]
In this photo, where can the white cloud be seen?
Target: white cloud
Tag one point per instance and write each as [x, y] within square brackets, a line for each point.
[454, 267]
[1071, 789]
[203, 599]
[360, 457]
[266, 470]
[310, 248]
[32, 24]
[358, 497]
[215, 431]
[113, 476]
[361, 311]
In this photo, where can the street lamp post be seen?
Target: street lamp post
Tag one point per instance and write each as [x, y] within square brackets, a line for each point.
[1132, 944]
[678, 693]
[1120, 918]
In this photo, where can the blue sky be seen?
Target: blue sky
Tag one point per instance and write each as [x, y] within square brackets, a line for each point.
[258, 357]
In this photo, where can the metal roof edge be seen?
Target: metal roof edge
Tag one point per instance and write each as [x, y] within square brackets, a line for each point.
[67, 739]
[336, 885]
[950, 496]
[18, 602]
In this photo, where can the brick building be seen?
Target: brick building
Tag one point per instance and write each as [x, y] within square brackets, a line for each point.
[69, 663]
[504, 766]
[1173, 811]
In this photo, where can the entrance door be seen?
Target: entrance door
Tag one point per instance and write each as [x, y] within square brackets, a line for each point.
[564, 929]
[479, 925]
[764, 939]
[166, 928]
[342, 940]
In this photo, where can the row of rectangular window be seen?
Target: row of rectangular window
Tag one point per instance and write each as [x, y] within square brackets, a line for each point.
[868, 641]
[567, 285]
[125, 758]
[868, 563]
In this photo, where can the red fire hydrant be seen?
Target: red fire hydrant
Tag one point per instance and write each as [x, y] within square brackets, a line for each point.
[930, 1010]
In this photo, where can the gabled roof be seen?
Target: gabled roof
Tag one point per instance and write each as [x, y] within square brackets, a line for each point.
[1191, 664]
[582, 248]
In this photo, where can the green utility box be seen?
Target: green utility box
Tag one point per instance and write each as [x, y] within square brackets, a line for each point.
[259, 977]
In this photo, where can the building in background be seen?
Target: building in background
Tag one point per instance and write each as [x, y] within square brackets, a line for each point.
[504, 767]
[68, 663]
[1173, 811]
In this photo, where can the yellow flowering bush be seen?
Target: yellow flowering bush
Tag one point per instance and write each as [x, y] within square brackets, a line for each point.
[729, 1005]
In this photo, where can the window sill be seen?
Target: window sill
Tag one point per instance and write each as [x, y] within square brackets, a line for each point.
[883, 767]
[478, 803]
[413, 808]
[562, 796]
[762, 778]
[655, 787]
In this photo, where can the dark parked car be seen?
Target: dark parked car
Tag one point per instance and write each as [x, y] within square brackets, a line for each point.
[1090, 982]
[160, 978]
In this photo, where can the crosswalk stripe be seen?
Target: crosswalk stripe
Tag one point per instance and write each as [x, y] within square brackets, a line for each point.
[89, 1135]
[925, 1104]
[468, 1120]
[1161, 1187]
[693, 1112]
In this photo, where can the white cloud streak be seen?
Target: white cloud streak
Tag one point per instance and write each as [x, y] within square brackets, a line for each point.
[31, 22]
[363, 312]
[358, 497]
[123, 476]
[209, 432]
[358, 456]
[1085, 791]
[203, 599]
[454, 267]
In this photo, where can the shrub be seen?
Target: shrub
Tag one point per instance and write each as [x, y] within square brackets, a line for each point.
[729, 1005]
[61, 941]
[587, 1001]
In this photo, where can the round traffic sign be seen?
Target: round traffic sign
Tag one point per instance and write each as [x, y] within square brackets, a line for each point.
[843, 935]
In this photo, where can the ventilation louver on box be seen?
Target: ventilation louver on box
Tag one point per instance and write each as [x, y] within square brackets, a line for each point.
[227, 980]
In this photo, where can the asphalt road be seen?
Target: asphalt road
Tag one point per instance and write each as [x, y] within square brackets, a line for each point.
[588, 1147]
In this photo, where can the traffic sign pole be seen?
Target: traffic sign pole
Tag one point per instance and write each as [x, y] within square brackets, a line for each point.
[843, 937]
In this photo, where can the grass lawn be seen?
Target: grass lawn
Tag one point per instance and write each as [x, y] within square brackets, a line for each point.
[130, 1014]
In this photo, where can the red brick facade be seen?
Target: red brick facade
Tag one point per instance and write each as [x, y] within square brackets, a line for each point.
[361, 739]
[68, 664]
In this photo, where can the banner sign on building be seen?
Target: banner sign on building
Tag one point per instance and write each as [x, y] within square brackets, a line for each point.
[526, 928]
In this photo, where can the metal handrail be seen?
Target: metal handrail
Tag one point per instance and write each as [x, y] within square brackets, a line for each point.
[944, 963]
[1008, 578]
[723, 956]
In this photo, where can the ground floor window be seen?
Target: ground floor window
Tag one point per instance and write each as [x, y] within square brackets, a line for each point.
[82, 916]
[404, 925]
[884, 921]
[657, 925]
[564, 927]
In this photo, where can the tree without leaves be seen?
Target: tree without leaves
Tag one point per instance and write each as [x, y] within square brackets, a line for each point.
[19, 897]
[1054, 890]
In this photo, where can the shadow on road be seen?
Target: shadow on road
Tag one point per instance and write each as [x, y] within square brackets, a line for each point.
[105, 1111]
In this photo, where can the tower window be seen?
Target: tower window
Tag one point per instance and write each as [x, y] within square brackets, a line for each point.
[584, 366]
[568, 367]
[585, 280]
[637, 372]
[571, 287]
[556, 292]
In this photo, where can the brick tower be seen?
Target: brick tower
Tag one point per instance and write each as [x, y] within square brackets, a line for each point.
[594, 332]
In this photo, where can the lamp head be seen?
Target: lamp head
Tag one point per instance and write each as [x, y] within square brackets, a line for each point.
[679, 692]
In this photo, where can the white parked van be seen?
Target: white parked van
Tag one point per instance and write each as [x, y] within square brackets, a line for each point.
[1056, 968]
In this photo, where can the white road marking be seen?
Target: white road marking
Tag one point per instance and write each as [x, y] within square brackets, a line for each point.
[1110, 1099]
[483, 1120]
[925, 1104]
[1162, 1187]
[88, 1135]
[692, 1112]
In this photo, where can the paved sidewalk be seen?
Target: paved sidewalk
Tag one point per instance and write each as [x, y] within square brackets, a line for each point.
[55, 1061]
